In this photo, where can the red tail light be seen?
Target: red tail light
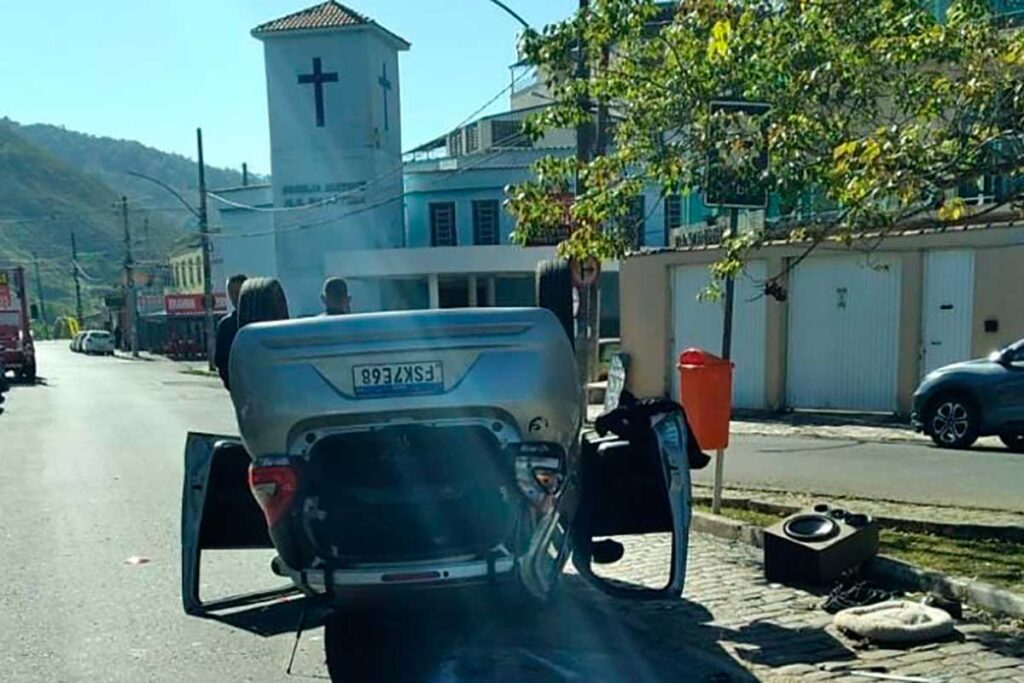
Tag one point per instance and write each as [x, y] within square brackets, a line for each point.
[274, 487]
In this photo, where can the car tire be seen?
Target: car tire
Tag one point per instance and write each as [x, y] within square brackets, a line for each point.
[261, 300]
[952, 422]
[1013, 441]
[554, 292]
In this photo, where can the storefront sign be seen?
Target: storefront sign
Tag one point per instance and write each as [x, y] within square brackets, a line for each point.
[192, 304]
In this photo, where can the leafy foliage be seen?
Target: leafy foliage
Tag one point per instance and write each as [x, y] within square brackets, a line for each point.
[877, 109]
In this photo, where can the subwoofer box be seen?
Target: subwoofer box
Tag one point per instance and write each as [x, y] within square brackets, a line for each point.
[817, 545]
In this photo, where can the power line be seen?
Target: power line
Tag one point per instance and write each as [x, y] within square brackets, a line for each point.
[370, 207]
[372, 181]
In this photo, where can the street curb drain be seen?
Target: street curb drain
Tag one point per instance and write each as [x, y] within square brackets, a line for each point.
[890, 571]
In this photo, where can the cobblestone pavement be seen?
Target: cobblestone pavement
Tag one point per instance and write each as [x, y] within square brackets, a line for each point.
[777, 633]
[878, 508]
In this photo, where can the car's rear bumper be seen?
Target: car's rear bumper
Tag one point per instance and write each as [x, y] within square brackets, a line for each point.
[350, 582]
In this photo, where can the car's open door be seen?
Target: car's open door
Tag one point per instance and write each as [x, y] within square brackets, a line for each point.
[636, 481]
[218, 512]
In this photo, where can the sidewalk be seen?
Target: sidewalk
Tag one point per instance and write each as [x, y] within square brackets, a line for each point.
[771, 632]
[841, 426]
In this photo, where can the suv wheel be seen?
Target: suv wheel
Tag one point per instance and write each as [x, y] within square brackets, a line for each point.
[953, 422]
[1014, 441]
[554, 292]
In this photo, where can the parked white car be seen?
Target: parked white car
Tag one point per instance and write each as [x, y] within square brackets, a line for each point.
[98, 342]
[76, 341]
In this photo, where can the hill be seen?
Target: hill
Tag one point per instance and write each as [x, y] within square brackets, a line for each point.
[43, 198]
[110, 160]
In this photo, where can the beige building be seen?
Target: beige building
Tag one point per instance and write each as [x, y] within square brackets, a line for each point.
[858, 327]
[187, 270]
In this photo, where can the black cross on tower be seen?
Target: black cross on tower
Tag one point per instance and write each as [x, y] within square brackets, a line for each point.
[318, 78]
[385, 86]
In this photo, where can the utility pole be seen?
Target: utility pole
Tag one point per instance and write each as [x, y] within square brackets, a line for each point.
[204, 237]
[129, 301]
[78, 284]
[39, 288]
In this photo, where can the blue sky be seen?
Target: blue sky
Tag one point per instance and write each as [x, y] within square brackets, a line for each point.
[153, 71]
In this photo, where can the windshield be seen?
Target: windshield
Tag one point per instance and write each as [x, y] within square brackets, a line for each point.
[316, 316]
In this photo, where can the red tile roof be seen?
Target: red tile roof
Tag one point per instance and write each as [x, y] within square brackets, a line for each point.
[323, 16]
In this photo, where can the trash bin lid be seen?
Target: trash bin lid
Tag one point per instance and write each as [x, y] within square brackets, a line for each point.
[695, 356]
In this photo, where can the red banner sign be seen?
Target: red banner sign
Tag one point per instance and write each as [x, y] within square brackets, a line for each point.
[5, 297]
[192, 304]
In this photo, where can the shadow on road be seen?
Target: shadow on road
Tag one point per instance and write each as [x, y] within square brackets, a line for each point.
[273, 619]
[578, 639]
[469, 637]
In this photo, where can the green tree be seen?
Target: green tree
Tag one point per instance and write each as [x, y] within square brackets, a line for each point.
[877, 109]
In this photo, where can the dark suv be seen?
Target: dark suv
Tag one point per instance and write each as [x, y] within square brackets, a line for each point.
[958, 403]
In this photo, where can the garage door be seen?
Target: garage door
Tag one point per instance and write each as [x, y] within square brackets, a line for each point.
[697, 323]
[844, 333]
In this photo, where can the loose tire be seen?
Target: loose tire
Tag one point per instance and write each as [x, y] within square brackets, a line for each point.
[554, 292]
[28, 375]
[953, 422]
[1014, 441]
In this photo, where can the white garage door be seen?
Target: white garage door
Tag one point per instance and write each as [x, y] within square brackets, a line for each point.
[844, 333]
[699, 323]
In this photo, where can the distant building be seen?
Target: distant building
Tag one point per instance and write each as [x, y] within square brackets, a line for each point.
[426, 231]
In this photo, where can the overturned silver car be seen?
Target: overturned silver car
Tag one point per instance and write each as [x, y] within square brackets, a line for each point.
[425, 449]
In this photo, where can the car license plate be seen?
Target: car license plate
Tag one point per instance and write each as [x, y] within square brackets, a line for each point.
[398, 379]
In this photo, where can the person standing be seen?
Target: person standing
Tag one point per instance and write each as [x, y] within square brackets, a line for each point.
[227, 328]
[335, 297]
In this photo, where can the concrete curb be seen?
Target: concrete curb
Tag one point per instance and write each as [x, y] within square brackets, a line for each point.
[829, 432]
[886, 570]
[964, 532]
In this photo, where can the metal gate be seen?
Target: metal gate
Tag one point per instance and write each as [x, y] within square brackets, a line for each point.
[843, 341]
[698, 323]
[948, 308]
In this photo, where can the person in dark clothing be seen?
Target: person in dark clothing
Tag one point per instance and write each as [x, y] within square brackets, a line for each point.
[335, 297]
[227, 328]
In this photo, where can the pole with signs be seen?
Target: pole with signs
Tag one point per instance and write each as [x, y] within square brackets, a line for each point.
[736, 165]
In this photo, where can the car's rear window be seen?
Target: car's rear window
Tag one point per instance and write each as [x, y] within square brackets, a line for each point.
[101, 335]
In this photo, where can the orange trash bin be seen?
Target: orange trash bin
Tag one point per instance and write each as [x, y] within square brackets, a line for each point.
[705, 388]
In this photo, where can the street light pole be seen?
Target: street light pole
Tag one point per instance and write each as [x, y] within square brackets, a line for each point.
[511, 13]
[204, 237]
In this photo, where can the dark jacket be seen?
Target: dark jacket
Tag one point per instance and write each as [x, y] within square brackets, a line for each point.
[227, 328]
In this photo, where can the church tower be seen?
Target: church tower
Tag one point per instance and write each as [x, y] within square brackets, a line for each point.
[336, 145]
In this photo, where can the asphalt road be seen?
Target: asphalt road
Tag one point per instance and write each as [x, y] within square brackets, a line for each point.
[981, 478]
[90, 483]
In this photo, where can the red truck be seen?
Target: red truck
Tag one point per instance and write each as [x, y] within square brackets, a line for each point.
[17, 352]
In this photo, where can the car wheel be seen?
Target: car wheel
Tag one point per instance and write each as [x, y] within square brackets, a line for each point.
[262, 299]
[953, 422]
[554, 292]
[28, 375]
[1013, 441]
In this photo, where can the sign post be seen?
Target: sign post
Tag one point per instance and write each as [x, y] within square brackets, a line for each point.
[735, 168]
